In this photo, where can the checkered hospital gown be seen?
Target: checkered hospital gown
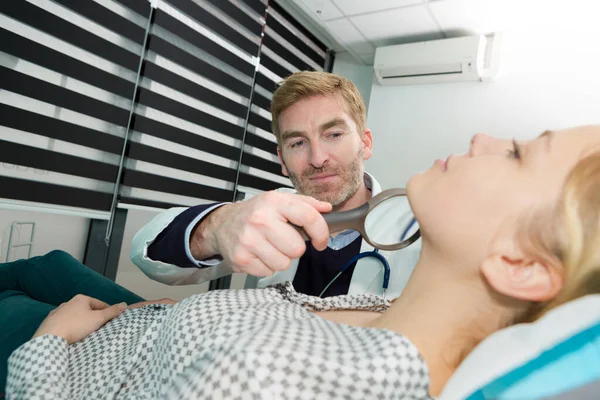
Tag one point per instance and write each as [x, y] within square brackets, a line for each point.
[226, 344]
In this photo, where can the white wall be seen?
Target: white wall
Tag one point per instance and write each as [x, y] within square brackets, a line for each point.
[362, 75]
[551, 80]
[51, 232]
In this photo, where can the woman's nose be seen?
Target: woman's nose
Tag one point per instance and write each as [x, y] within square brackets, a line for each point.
[485, 144]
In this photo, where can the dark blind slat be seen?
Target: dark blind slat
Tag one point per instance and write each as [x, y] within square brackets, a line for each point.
[261, 143]
[258, 183]
[260, 163]
[41, 55]
[138, 151]
[257, 6]
[197, 65]
[274, 66]
[261, 101]
[294, 40]
[106, 18]
[174, 81]
[266, 83]
[185, 138]
[148, 181]
[33, 157]
[287, 55]
[23, 120]
[188, 113]
[232, 11]
[183, 31]
[139, 6]
[38, 192]
[215, 24]
[49, 23]
[147, 203]
[260, 122]
[291, 20]
[44, 91]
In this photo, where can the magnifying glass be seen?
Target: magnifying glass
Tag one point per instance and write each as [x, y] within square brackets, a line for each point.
[382, 221]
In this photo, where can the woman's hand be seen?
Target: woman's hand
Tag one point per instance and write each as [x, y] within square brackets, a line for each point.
[148, 302]
[77, 318]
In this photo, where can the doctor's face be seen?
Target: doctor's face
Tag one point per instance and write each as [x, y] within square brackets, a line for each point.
[321, 150]
[462, 203]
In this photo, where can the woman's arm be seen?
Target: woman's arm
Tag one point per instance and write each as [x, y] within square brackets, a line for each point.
[39, 368]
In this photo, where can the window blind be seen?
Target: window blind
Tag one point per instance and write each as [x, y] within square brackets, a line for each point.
[67, 73]
[287, 47]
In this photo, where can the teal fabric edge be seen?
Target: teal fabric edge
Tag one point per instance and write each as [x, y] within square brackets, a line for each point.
[499, 387]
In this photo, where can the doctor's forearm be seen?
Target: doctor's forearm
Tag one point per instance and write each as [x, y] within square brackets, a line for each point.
[203, 241]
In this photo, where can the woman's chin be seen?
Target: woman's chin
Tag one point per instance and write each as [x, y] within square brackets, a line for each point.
[414, 185]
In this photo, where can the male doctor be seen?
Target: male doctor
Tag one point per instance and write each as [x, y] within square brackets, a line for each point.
[319, 121]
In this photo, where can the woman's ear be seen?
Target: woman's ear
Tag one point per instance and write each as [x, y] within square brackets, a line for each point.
[523, 278]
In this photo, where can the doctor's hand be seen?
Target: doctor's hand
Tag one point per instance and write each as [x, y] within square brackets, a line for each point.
[254, 236]
[77, 318]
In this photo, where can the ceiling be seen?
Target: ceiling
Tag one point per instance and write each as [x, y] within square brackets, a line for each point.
[359, 26]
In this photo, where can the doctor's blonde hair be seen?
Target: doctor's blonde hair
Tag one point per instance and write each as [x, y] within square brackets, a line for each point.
[570, 237]
[303, 84]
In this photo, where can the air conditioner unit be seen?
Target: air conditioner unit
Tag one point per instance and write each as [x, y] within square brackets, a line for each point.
[446, 60]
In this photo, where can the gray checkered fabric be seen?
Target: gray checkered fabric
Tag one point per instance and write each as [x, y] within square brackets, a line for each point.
[226, 344]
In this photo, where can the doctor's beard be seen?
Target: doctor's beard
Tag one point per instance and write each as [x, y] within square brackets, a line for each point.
[336, 193]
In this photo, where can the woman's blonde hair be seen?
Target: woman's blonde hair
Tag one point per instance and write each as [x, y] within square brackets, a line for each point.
[570, 236]
[304, 84]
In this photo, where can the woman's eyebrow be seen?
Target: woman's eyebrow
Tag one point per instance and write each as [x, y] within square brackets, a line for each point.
[548, 135]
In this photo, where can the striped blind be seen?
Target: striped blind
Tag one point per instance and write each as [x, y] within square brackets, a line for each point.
[67, 73]
[191, 106]
[130, 102]
[287, 47]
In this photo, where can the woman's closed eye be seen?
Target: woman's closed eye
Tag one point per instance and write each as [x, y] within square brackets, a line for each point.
[516, 151]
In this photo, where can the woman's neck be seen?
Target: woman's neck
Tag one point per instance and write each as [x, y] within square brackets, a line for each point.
[442, 316]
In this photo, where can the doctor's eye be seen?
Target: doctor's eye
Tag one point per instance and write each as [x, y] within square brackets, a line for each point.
[297, 144]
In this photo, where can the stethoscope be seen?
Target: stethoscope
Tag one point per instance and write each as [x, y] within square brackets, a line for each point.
[369, 218]
[375, 254]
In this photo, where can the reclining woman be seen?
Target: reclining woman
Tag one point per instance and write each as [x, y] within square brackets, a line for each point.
[510, 231]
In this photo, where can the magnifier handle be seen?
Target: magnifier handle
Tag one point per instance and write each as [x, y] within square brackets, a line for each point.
[342, 220]
[351, 219]
[301, 231]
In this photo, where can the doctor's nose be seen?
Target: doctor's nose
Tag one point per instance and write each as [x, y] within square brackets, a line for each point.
[318, 157]
[484, 144]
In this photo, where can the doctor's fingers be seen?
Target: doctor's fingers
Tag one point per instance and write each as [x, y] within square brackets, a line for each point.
[271, 256]
[249, 263]
[306, 216]
[285, 238]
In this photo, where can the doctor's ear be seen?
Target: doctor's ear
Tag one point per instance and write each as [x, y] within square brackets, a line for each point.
[367, 141]
[521, 277]
[284, 170]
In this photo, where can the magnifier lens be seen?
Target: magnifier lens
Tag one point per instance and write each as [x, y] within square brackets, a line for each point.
[388, 221]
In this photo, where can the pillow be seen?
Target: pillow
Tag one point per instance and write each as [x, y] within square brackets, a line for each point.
[587, 392]
[555, 354]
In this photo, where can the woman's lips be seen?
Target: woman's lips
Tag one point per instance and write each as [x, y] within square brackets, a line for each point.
[443, 164]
